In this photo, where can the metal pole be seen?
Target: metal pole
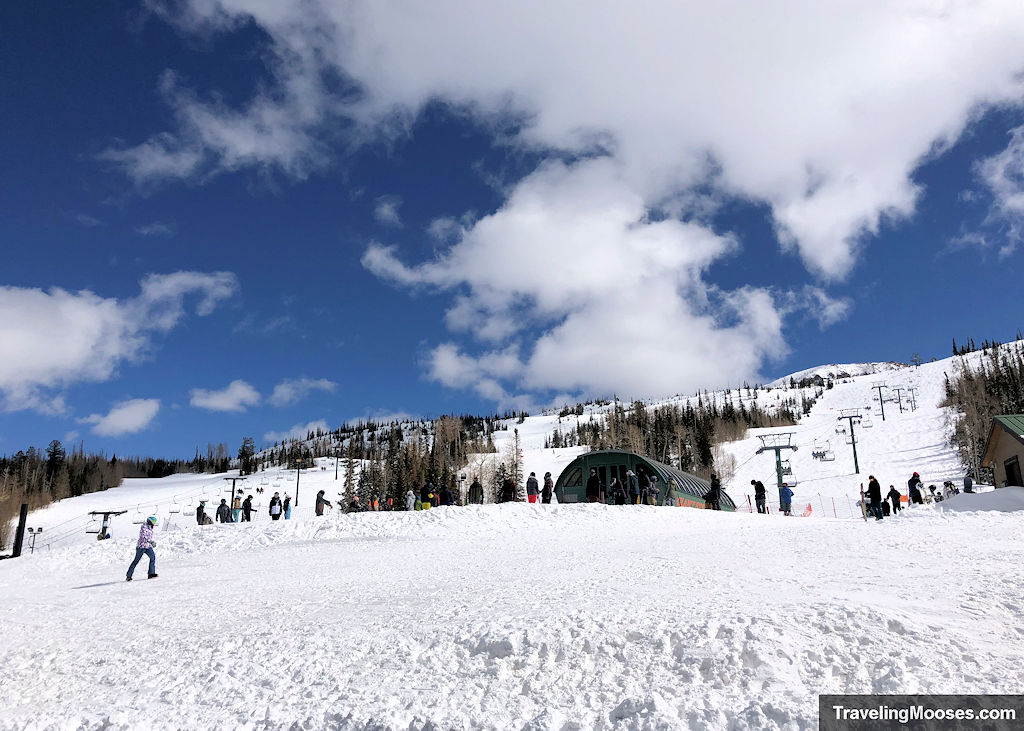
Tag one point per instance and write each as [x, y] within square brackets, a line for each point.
[19, 535]
[298, 471]
[853, 440]
[335, 467]
[880, 401]
[778, 471]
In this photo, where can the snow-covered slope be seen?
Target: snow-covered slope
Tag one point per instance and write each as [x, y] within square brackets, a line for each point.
[513, 616]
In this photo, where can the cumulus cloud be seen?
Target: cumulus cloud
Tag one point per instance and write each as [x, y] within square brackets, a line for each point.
[236, 396]
[386, 210]
[818, 113]
[127, 417]
[298, 431]
[63, 338]
[291, 390]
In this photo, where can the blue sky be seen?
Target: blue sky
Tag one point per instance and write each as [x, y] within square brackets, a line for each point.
[223, 219]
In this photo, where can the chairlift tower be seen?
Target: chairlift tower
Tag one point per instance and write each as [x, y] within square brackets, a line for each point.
[776, 443]
[879, 385]
[912, 392]
[852, 415]
[899, 390]
[231, 497]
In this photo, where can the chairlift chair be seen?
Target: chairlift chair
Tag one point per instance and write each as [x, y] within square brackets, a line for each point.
[93, 526]
[866, 422]
[787, 469]
[174, 508]
[138, 518]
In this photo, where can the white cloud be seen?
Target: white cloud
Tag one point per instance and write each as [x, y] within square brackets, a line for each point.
[127, 417]
[292, 390]
[1003, 173]
[298, 431]
[62, 337]
[157, 228]
[386, 210]
[88, 221]
[818, 112]
[236, 396]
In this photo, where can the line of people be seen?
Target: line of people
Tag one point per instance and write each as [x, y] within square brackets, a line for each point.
[241, 511]
[639, 489]
[760, 498]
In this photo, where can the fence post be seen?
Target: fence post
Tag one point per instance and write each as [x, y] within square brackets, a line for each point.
[19, 536]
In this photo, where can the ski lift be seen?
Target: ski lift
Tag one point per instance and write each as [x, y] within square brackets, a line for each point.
[93, 525]
[866, 422]
[787, 469]
[138, 518]
[840, 430]
[174, 508]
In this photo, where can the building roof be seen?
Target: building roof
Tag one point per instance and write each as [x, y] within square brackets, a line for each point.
[1012, 424]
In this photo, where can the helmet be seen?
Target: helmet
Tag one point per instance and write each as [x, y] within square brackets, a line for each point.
[151, 520]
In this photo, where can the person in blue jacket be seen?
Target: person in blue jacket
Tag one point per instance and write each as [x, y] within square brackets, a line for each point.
[786, 499]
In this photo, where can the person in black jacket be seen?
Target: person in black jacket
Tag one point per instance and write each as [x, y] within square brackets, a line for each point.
[594, 487]
[275, 508]
[644, 483]
[201, 513]
[714, 495]
[476, 492]
[354, 506]
[320, 502]
[247, 510]
[875, 497]
[447, 496]
[759, 495]
[617, 491]
[548, 490]
[532, 488]
[894, 496]
[223, 512]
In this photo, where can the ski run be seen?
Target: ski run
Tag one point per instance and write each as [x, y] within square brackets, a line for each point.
[540, 617]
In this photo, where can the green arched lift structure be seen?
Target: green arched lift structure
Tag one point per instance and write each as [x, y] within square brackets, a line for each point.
[684, 490]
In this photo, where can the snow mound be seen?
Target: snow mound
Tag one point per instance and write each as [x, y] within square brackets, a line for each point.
[1003, 500]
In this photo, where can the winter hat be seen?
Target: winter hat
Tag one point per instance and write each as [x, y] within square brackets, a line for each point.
[223, 501]
[151, 520]
[533, 474]
[916, 475]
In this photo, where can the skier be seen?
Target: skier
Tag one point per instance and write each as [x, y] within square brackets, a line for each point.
[223, 512]
[894, 497]
[634, 487]
[236, 507]
[532, 488]
[275, 507]
[145, 546]
[875, 496]
[410, 500]
[476, 492]
[759, 495]
[321, 501]
[785, 499]
[287, 507]
[548, 490]
[201, 513]
[594, 488]
[247, 510]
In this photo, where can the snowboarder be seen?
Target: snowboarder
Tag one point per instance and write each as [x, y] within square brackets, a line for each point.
[201, 513]
[894, 497]
[287, 507]
[247, 510]
[634, 487]
[410, 500]
[275, 507]
[321, 501]
[236, 507]
[548, 490]
[785, 499]
[223, 512]
[594, 488]
[875, 497]
[145, 546]
[759, 495]
[532, 488]
[476, 492]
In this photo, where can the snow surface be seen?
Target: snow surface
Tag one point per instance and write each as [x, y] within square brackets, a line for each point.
[513, 616]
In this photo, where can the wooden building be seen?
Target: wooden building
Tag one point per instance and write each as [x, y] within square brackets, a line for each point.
[1004, 451]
